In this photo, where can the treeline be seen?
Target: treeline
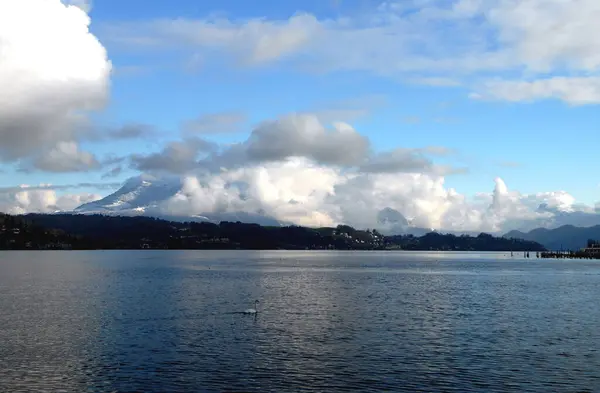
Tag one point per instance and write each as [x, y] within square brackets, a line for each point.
[17, 233]
[67, 231]
[113, 232]
[449, 242]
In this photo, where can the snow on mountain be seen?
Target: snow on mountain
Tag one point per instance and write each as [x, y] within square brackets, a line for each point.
[138, 194]
[146, 195]
[392, 220]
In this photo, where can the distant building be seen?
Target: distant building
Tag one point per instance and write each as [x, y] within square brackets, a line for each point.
[593, 247]
[592, 250]
[593, 244]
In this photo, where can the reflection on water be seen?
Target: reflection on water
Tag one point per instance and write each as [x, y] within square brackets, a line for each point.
[329, 321]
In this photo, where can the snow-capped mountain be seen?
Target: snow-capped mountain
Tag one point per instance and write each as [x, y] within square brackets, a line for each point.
[139, 194]
[143, 196]
[146, 195]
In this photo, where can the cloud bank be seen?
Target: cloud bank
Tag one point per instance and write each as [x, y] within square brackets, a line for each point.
[40, 200]
[299, 170]
[302, 191]
[336, 144]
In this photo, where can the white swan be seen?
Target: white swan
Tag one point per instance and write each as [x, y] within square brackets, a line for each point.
[252, 310]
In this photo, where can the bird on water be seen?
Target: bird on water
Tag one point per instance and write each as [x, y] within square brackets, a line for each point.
[252, 310]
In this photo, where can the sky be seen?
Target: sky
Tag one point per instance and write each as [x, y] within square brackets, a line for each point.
[458, 114]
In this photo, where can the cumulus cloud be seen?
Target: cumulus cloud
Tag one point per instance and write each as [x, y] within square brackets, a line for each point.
[23, 200]
[293, 191]
[300, 187]
[176, 157]
[307, 191]
[66, 157]
[52, 71]
[297, 135]
[306, 136]
[304, 192]
[434, 42]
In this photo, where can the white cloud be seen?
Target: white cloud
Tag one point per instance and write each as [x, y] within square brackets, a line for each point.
[306, 193]
[382, 42]
[573, 90]
[296, 135]
[66, 157]
[40, 200]
[252, 42]
[304, 135]
[293, 191]
[176, 157]
[52, 71]
[549, 34]
[433, 42]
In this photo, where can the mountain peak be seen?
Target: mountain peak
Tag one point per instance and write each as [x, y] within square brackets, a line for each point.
[137, 195]
[146, 195]
[389, 216]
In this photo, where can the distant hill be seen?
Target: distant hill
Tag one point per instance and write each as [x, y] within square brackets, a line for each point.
[95, 231]
[567, 237]
[449, 242]
[17, 233]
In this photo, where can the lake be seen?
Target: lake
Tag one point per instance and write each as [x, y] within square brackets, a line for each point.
[171, 321]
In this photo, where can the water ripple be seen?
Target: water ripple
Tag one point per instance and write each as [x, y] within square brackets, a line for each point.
[328, 322]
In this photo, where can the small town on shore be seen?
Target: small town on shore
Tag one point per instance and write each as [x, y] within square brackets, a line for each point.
[592, 251]
[89, 232]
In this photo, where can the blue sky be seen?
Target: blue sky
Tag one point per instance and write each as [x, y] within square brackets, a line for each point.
[463, 75]
[545, 138]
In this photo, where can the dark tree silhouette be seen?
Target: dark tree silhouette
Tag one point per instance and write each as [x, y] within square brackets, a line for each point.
[66, 231]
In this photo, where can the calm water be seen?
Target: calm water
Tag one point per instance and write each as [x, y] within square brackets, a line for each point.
[168, 321]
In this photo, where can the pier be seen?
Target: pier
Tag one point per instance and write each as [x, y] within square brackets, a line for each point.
[592, 251]
[570, 255]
